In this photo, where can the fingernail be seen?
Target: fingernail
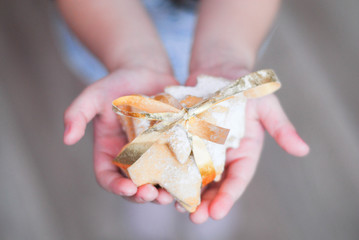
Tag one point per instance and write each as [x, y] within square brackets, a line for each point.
[66, 132]
[130, 192]
[220, 215]
[126, 193]
[167, 199]
[139, 199]
[67, 129]
[305, 146]
[180, 208]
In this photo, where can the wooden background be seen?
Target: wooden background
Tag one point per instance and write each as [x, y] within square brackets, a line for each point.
[48, 191]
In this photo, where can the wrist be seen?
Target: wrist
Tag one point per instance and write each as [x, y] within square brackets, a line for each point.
[222, 62]
[145, 56]
[220, 58]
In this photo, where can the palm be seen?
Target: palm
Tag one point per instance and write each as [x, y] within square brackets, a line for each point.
[109, 138]
[262, 114]
[241, 163]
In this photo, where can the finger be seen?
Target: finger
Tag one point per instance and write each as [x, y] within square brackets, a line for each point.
[107, 144]
[82, 110]
[240, 173]
[179, 207]
[114, 182]
[109, 177]
[146, 193]
[277, 124]
[243, 162]
[163, 197]
[202, 212]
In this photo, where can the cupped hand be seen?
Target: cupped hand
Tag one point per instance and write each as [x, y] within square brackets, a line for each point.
[262, 114]
[95, 103]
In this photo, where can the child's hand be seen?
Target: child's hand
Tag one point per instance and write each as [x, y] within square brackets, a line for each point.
[95, 102]
[261, 114]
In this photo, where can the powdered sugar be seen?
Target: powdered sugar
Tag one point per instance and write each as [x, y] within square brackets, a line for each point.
[179, 143]
[233, 116]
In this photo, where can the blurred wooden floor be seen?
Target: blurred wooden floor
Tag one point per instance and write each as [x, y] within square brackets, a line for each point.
[48, 191]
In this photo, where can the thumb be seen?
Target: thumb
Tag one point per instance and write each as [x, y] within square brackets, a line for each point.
[276, 122]
[82, 110]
